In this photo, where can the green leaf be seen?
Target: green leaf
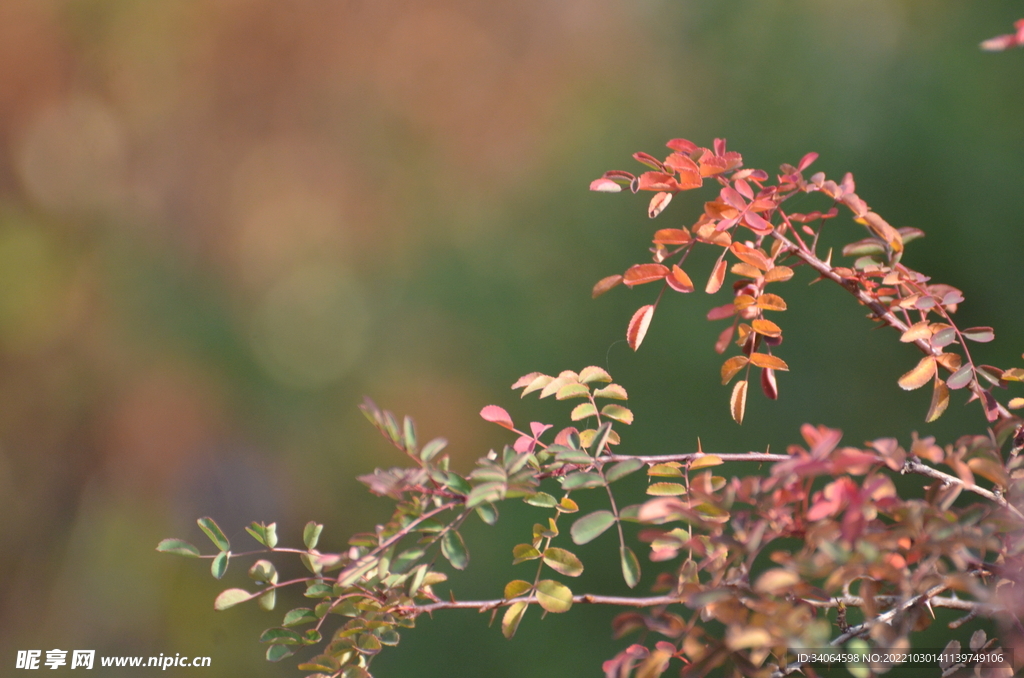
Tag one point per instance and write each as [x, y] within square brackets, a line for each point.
[220, 564]
[582, 411]
[183, 548]
[705, 461]
[541, 499]
[670, 470]
[318, 589]
[582, 480]
[630, 566]
[299, 616]
[268, 600]
[510, 622]
[458, 484]
[618, 413]
[601, 437]
[524, 552]
[563, 562]
[368, 644]
[623, 469]
[406, 559]
[276, 653]
[214, 532]
[554, 596]
[409, 435]
[488, 513]
[454, 549]
[612, 391]
[588, 375]
[281, 636]
[387, 635]
[355, 672]
[311, 534]
[665, 489]
[488, 492]
[569, 455]
[415, 581]
[979, 334]
[572, 391]
[263, 571]
[591, 526]
[431, 449]
[516, 588]
[230, 598]
[324, 663]
[272, 535]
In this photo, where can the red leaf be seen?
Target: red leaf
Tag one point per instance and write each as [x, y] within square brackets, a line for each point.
[723, 311]
[497, 415]
[724, 338]
[683, 146]
[806, 161]
[717, 278]
[638, 326]
[769, 385]
[644, 273]
[679, 281]
[605, 284]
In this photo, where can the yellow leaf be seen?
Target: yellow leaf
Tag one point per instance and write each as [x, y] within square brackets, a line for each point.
[919, 376]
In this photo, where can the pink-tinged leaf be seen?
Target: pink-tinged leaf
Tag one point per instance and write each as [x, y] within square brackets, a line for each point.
[724, 339]
[648, 160]
[638, 325]
[717, 278]
[991, 407]
[679, 281]
[944, 337]
[919, 376]
[658, 203]
[605, 284]
[640, 274]
[940, 401]
[497, 415]
[672, 236]
[683, 146]
[750, 255]
[588, 375]
[526, 380]
[656, 181]
[732, 367]
[603, 185]
[757, 223]
[743, 188]
[738, 401]
[769, 385]
[979, 334]
[723, 311]
[806, 161]
[991, 374]
[961, 378]
[732, 197]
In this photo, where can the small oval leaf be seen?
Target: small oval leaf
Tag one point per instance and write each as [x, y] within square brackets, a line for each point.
[554, 596]
[638, 325]
[919, 376]
[738, 401]
[230, 598]
[630, 566]
[591, 526]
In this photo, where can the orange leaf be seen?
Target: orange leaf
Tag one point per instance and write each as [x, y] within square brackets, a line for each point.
[644, 273]
[605, 284]
[732, 366]
[768, 361]
[919, 376]
[940, 401]
[771, 302]
[746, 270]
[638, 326]
[679, 281]
[659, 202]
[738, 401]
[750, 255]
[778, 274]
[767, 328]
[919, 330]
[717, 278]
[672, 236]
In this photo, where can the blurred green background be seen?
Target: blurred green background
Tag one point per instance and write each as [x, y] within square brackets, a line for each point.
[223, 222]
